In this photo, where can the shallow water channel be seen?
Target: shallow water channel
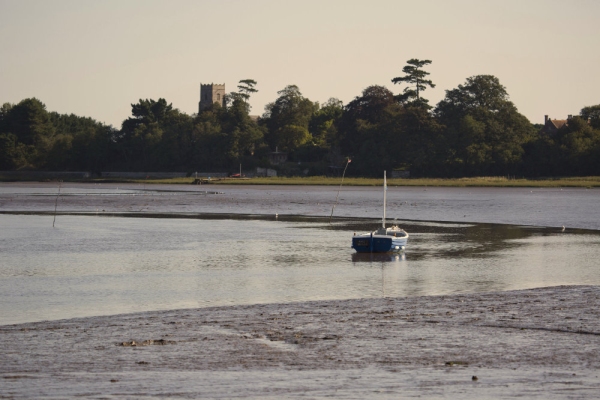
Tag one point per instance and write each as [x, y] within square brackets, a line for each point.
[89, 265]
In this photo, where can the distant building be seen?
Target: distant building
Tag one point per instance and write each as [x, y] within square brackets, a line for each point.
[551, 126]
[210, 94]
[265, 172]
[277, 157]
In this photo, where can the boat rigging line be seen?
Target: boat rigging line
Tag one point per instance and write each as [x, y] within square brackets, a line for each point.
[340, 188]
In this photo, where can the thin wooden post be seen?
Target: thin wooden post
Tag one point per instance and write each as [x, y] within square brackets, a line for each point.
[56, 202]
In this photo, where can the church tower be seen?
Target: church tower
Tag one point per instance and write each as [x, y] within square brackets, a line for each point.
[210, 94]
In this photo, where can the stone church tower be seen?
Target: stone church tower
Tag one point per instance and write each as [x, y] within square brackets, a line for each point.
[210, 94]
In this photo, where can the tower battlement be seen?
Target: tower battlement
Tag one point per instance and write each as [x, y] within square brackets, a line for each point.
[209, 94]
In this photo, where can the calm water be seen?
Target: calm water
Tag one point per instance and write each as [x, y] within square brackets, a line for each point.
[94, 264]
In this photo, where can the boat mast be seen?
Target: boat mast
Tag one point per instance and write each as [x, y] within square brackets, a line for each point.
[384, 198]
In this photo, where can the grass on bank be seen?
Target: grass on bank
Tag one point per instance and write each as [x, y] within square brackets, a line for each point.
[587, 182]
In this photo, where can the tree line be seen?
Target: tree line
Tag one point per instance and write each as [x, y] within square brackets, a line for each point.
[474, 131]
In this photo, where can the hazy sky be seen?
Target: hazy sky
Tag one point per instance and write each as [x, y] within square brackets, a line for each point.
[95, 58]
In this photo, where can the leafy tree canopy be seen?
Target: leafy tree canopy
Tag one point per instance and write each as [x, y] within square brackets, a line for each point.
[323, 123]
[148, 111]
[362, 131]
[28, 120]
[484, 127]
[415, 78]
[591, 113]
[370, 105]
[246, 87]
[481, 93]
[289, 115]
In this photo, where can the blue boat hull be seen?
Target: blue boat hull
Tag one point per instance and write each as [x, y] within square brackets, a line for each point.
[377, 243]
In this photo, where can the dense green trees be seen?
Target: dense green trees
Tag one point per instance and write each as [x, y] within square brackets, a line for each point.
[154, 137]
[474, 130]
[28, 132]
[484, 128]
[364, 129]
[287, 119]
[224, 137]
[33, 138]
[592, 115]
[13, 154]
[573, 150]
[322, 125]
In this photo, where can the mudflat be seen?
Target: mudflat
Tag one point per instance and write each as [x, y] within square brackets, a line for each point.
[537, 343]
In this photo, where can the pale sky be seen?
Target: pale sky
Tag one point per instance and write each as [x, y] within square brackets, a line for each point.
[95, 58]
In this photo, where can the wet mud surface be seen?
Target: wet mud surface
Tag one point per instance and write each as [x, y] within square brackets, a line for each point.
[572, 208]
[538, 343]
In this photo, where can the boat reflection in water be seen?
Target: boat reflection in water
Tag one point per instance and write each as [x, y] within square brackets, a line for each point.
[388, 263]
[378, 257]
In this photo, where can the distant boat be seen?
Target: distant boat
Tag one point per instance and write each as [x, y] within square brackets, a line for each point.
[382, 240]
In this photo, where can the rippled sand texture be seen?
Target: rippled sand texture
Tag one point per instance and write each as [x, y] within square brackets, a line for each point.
[540, 343]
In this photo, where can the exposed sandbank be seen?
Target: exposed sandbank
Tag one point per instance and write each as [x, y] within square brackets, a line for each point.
[534, 343]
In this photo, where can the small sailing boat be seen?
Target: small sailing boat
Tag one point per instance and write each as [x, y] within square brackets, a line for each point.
[382, 240]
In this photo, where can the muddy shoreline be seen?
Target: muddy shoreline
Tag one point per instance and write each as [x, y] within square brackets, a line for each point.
[534, 343]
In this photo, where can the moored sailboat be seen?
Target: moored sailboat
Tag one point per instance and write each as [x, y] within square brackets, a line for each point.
[382, 240]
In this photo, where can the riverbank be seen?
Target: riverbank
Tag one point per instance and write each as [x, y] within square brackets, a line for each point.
[574, 182]
[538, 343]
[586, 182]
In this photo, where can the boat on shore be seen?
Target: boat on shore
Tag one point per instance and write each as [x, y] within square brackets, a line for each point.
[381, 240]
